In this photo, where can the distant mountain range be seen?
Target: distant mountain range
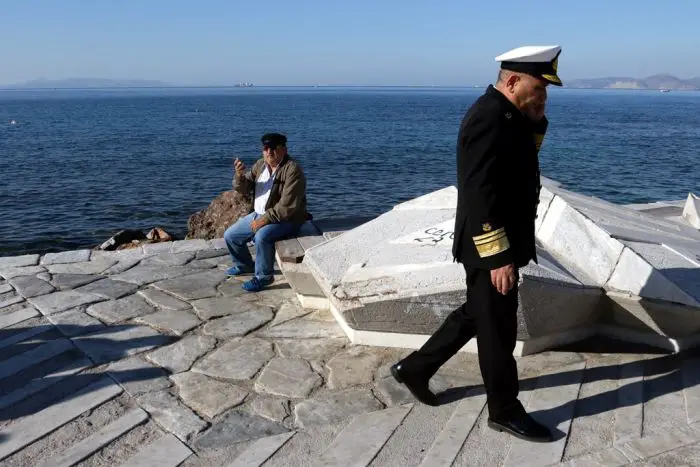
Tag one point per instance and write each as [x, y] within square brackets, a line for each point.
[101, 83]
[652, 82]
[84, 83]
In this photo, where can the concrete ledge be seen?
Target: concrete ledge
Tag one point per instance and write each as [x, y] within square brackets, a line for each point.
[668, 320]
[290, 259]
[627, 329]
[314, 303]
[415, 341]
[691, 211]
[392, 280]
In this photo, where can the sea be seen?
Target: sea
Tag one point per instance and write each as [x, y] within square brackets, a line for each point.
[76, 166]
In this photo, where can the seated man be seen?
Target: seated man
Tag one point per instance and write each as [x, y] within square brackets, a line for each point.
[279, 187]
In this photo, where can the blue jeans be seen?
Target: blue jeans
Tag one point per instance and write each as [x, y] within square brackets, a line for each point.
[240, 233]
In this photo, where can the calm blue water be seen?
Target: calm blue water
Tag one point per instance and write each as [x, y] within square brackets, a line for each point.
[80, 165]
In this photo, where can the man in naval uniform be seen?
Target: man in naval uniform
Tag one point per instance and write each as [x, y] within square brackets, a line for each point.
[498, 192]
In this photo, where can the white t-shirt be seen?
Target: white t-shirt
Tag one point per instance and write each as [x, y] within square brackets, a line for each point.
[263, 185]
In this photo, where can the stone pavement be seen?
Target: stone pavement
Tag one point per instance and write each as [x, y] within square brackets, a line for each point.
[152, 357]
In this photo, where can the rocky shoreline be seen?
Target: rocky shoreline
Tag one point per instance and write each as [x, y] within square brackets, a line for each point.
[208, 224]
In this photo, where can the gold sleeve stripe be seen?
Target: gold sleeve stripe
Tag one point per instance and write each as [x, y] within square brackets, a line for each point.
[493, 247]
[491, 239]
[488, 235]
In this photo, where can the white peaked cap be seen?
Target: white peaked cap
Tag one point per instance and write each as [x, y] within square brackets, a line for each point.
[537, 60]
[530, 53]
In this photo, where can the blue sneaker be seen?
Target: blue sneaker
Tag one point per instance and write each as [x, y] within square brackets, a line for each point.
[238, 270]
[256, 284]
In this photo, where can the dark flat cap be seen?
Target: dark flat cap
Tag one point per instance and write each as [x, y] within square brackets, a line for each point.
[274, 139]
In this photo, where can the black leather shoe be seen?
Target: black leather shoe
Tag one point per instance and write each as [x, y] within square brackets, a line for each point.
[523, 427]
[418, 386]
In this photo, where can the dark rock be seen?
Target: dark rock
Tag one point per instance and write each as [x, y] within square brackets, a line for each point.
[121, 238]
[223, 211]
[132, 238]
[160, 235]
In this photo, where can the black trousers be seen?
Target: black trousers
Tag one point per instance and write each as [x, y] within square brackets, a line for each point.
[491, 317]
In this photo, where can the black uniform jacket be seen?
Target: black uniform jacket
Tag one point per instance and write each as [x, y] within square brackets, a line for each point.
[498, 181]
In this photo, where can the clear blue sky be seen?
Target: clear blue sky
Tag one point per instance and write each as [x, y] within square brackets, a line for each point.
[384, 42]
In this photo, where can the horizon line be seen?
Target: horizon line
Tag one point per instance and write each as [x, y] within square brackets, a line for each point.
[175, 86]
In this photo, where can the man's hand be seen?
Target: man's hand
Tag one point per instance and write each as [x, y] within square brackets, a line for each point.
[257, 223]
[503, 278]
[239, 166]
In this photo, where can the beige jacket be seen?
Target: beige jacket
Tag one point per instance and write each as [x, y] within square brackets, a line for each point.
[287, 201]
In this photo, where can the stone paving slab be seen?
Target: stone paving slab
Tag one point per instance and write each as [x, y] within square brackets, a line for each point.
[206, 395]
[180, 246]
[168, 259]
[15, 317]
[120, 310]
[446, 446]
[236, 360]
[20, 362]
[232, 289]
[314, 349]
[104, 436]
[215, 307]
[353, 367]
[122, 266]
[273, 409]
[181, 355]
[62, 301]
[261, 450]
[236, 427]
[29, 429]
[166, 452]
[289, 311]
[75, 322]
[175, 322]
[22, 335]
[288, 377]
[313, 325]
[138, 377]
[171, 414]
[160, 299]
[335, 406]
[109, 289]
[10, 298]
[31, 286]
[10, 272]
[551, 406]
[128, 254]
[43, 382]
[75, 256]
[362, 439]
[142, 275]
[7, 262]
[193, 286]
[239, 324]
[156, 248]
[116, 342]
[72, 281]
[95, 266]
[213, 253]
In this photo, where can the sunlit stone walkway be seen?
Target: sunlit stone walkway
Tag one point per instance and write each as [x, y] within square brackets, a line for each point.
[152, 357]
